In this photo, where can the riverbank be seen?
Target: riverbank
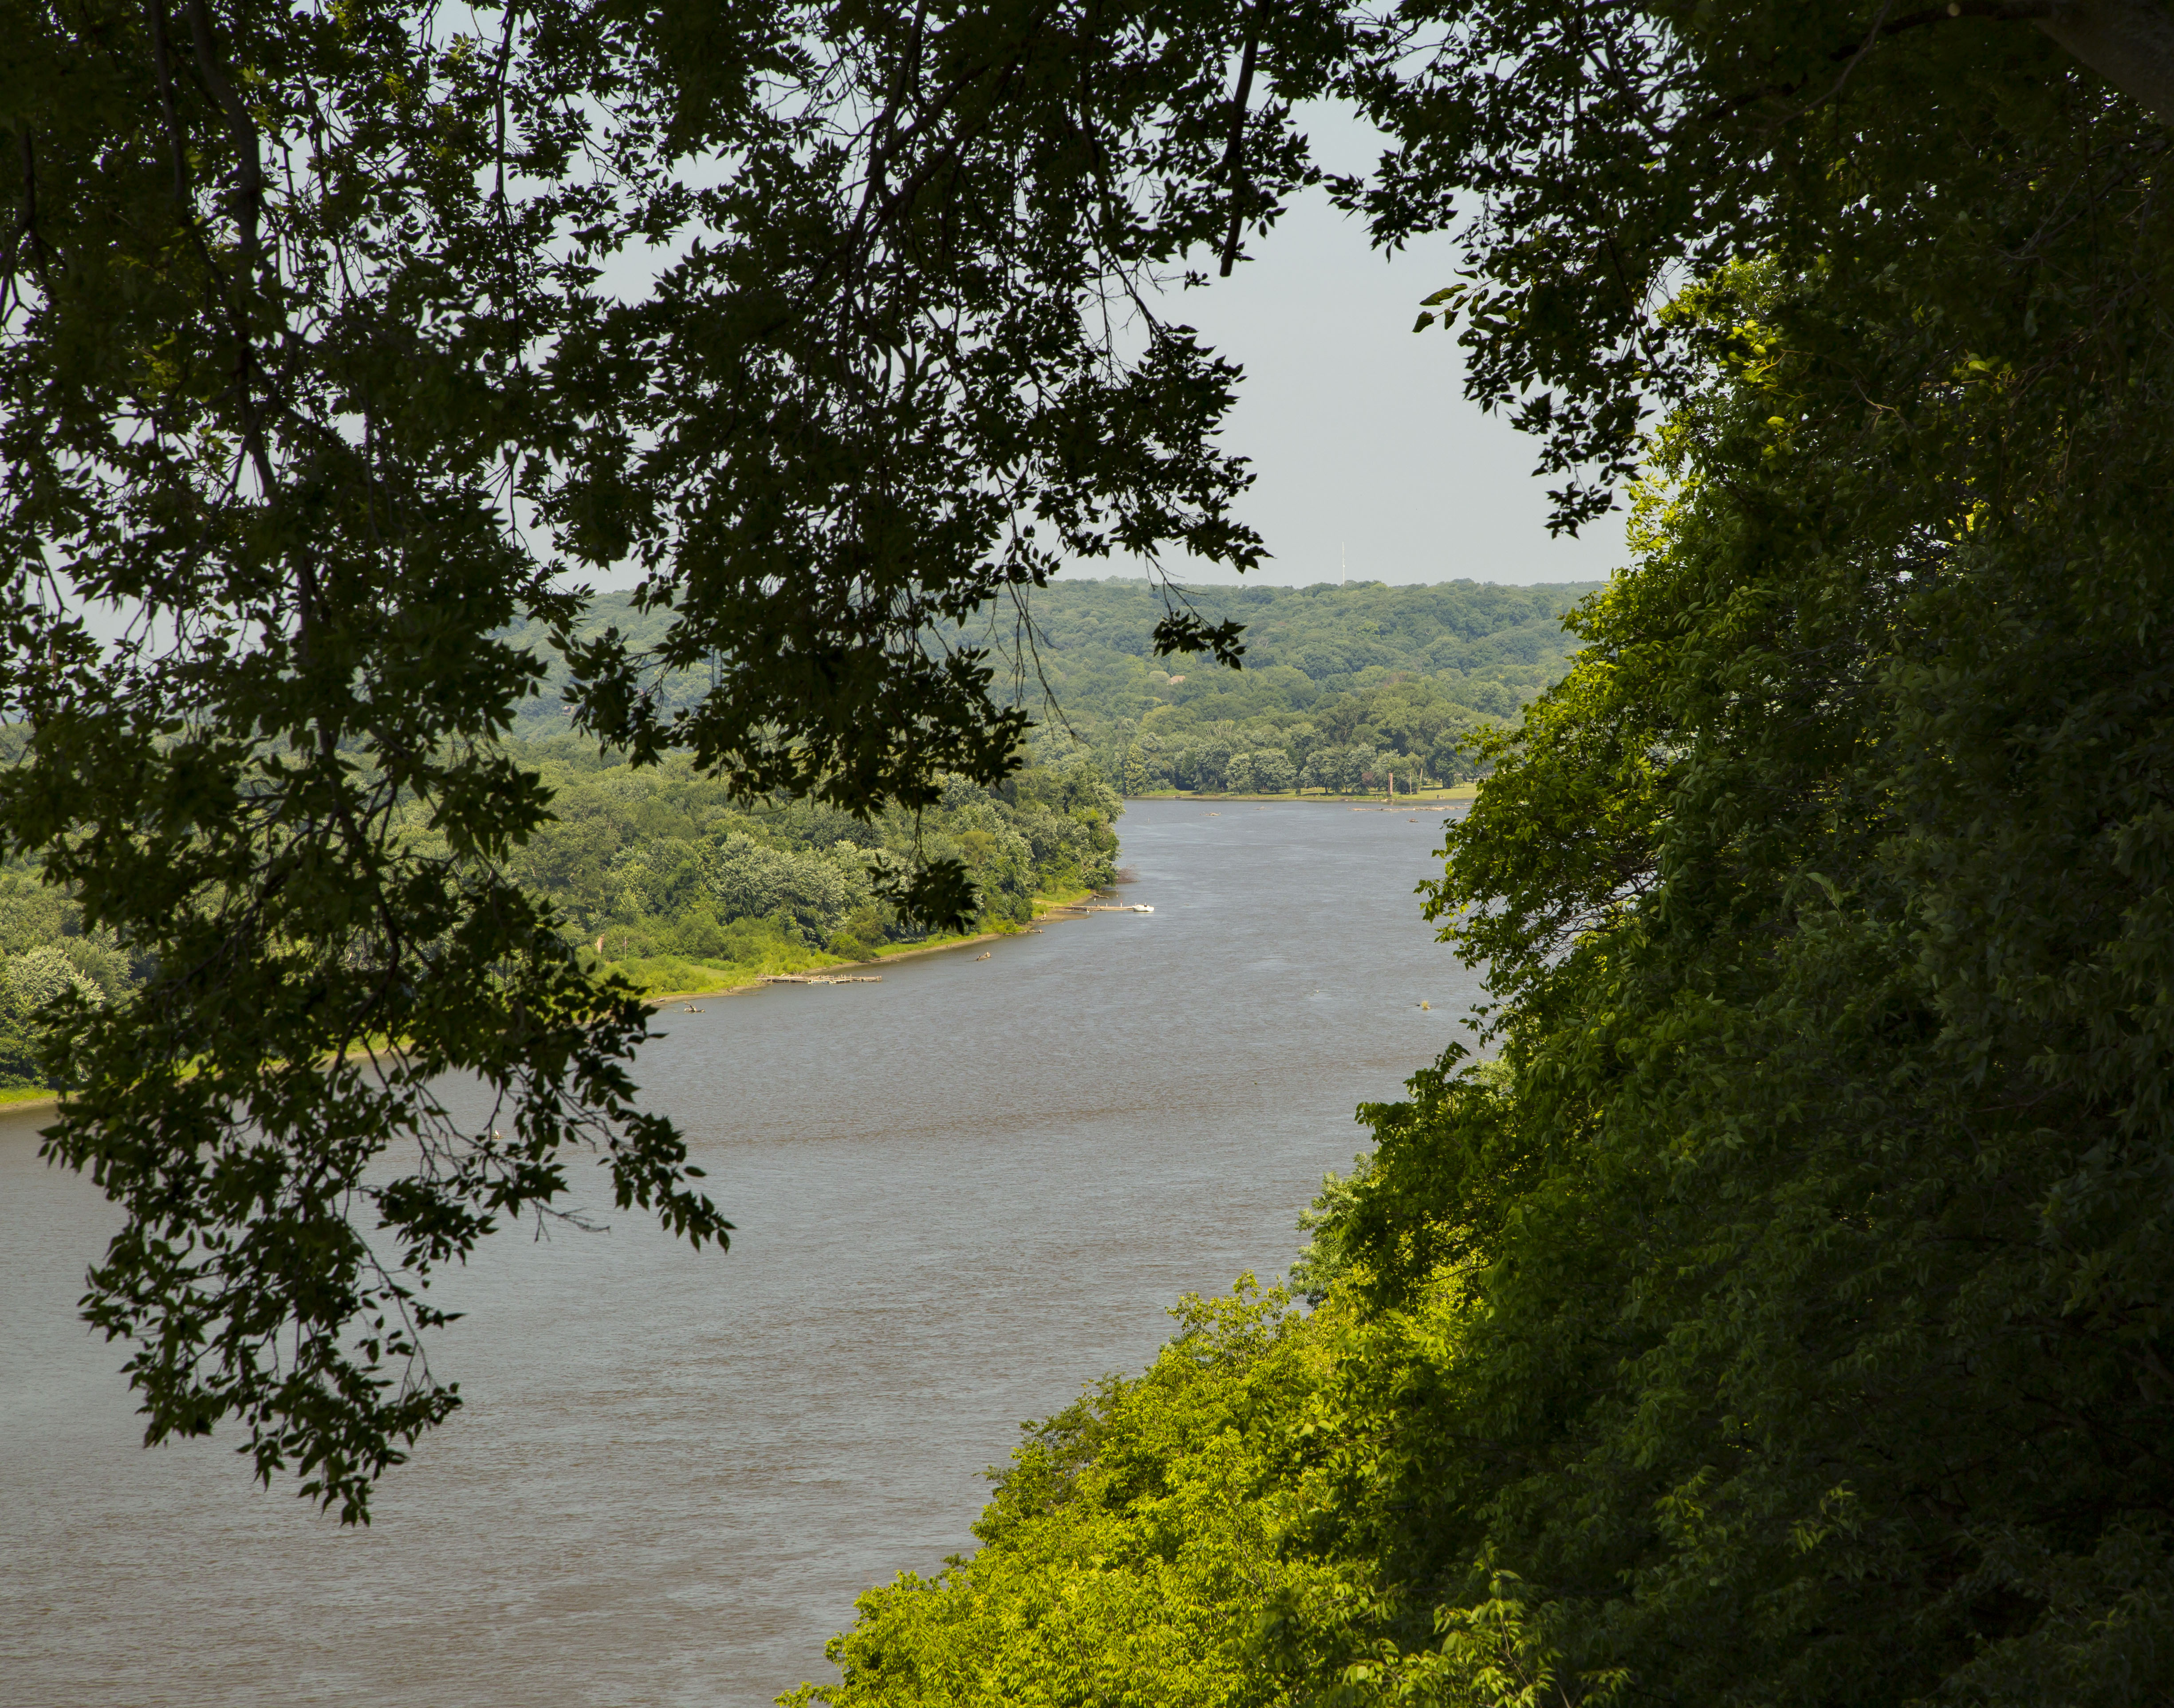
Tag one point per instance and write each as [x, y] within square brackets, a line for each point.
[1418, 797]
[732, 981]
[737, 980]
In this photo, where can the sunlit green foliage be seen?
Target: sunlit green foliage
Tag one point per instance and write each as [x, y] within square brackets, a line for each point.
[45, 951]
[1782, 1316]
[682, 883]
[1128, 1545]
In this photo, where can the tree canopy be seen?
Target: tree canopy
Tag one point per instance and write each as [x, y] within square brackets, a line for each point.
[320, 371]
[315, 378]
[1778, 1314]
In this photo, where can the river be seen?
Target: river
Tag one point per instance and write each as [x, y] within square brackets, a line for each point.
[962, 1194]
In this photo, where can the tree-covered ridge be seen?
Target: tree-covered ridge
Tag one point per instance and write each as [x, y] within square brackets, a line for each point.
[1463, 634]
[1342, 684]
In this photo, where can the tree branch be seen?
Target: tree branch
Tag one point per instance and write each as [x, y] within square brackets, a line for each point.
[1234, 156]
[249, 192]
[162, 60]
[2130, 43]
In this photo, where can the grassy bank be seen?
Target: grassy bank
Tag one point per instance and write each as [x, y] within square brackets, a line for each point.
[1418, 798]
[673, 979]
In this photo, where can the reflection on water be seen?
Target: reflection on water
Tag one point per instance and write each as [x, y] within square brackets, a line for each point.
[962, 1193]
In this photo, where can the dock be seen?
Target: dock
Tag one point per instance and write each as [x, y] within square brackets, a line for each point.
[822, 978]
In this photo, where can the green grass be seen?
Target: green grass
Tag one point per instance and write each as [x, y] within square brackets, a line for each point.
[675, 975]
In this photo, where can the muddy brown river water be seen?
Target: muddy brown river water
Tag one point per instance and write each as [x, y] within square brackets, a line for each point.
[962, 1194]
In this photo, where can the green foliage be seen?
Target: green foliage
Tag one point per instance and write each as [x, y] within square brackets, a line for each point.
[45, 954]
[1595, 159]
[1126, 1544]
[1780, 1316]
[665, 869]
[1341, 684]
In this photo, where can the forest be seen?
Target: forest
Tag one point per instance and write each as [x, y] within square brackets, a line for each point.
[1771, 1301]
[1339, 685]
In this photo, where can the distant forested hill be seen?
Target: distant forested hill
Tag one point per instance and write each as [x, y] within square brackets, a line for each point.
[1341, 683]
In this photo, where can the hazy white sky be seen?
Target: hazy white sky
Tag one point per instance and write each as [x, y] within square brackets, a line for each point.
[1370, 464]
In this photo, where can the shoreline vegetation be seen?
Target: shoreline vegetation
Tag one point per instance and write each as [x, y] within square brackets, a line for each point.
[685, 979]
[1437, 796]
[687, 895]
[666, 878]
[738, 979]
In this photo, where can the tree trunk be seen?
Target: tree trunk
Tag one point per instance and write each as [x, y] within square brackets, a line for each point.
[2129, 42]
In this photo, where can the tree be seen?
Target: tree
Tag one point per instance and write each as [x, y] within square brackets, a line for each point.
[1122, 1539]
[313, 376]
[1273, 773]
[1611, 153]
[1781, 1316]
[1774, 1310]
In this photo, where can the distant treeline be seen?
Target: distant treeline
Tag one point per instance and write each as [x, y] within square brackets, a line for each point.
[1341, 684]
